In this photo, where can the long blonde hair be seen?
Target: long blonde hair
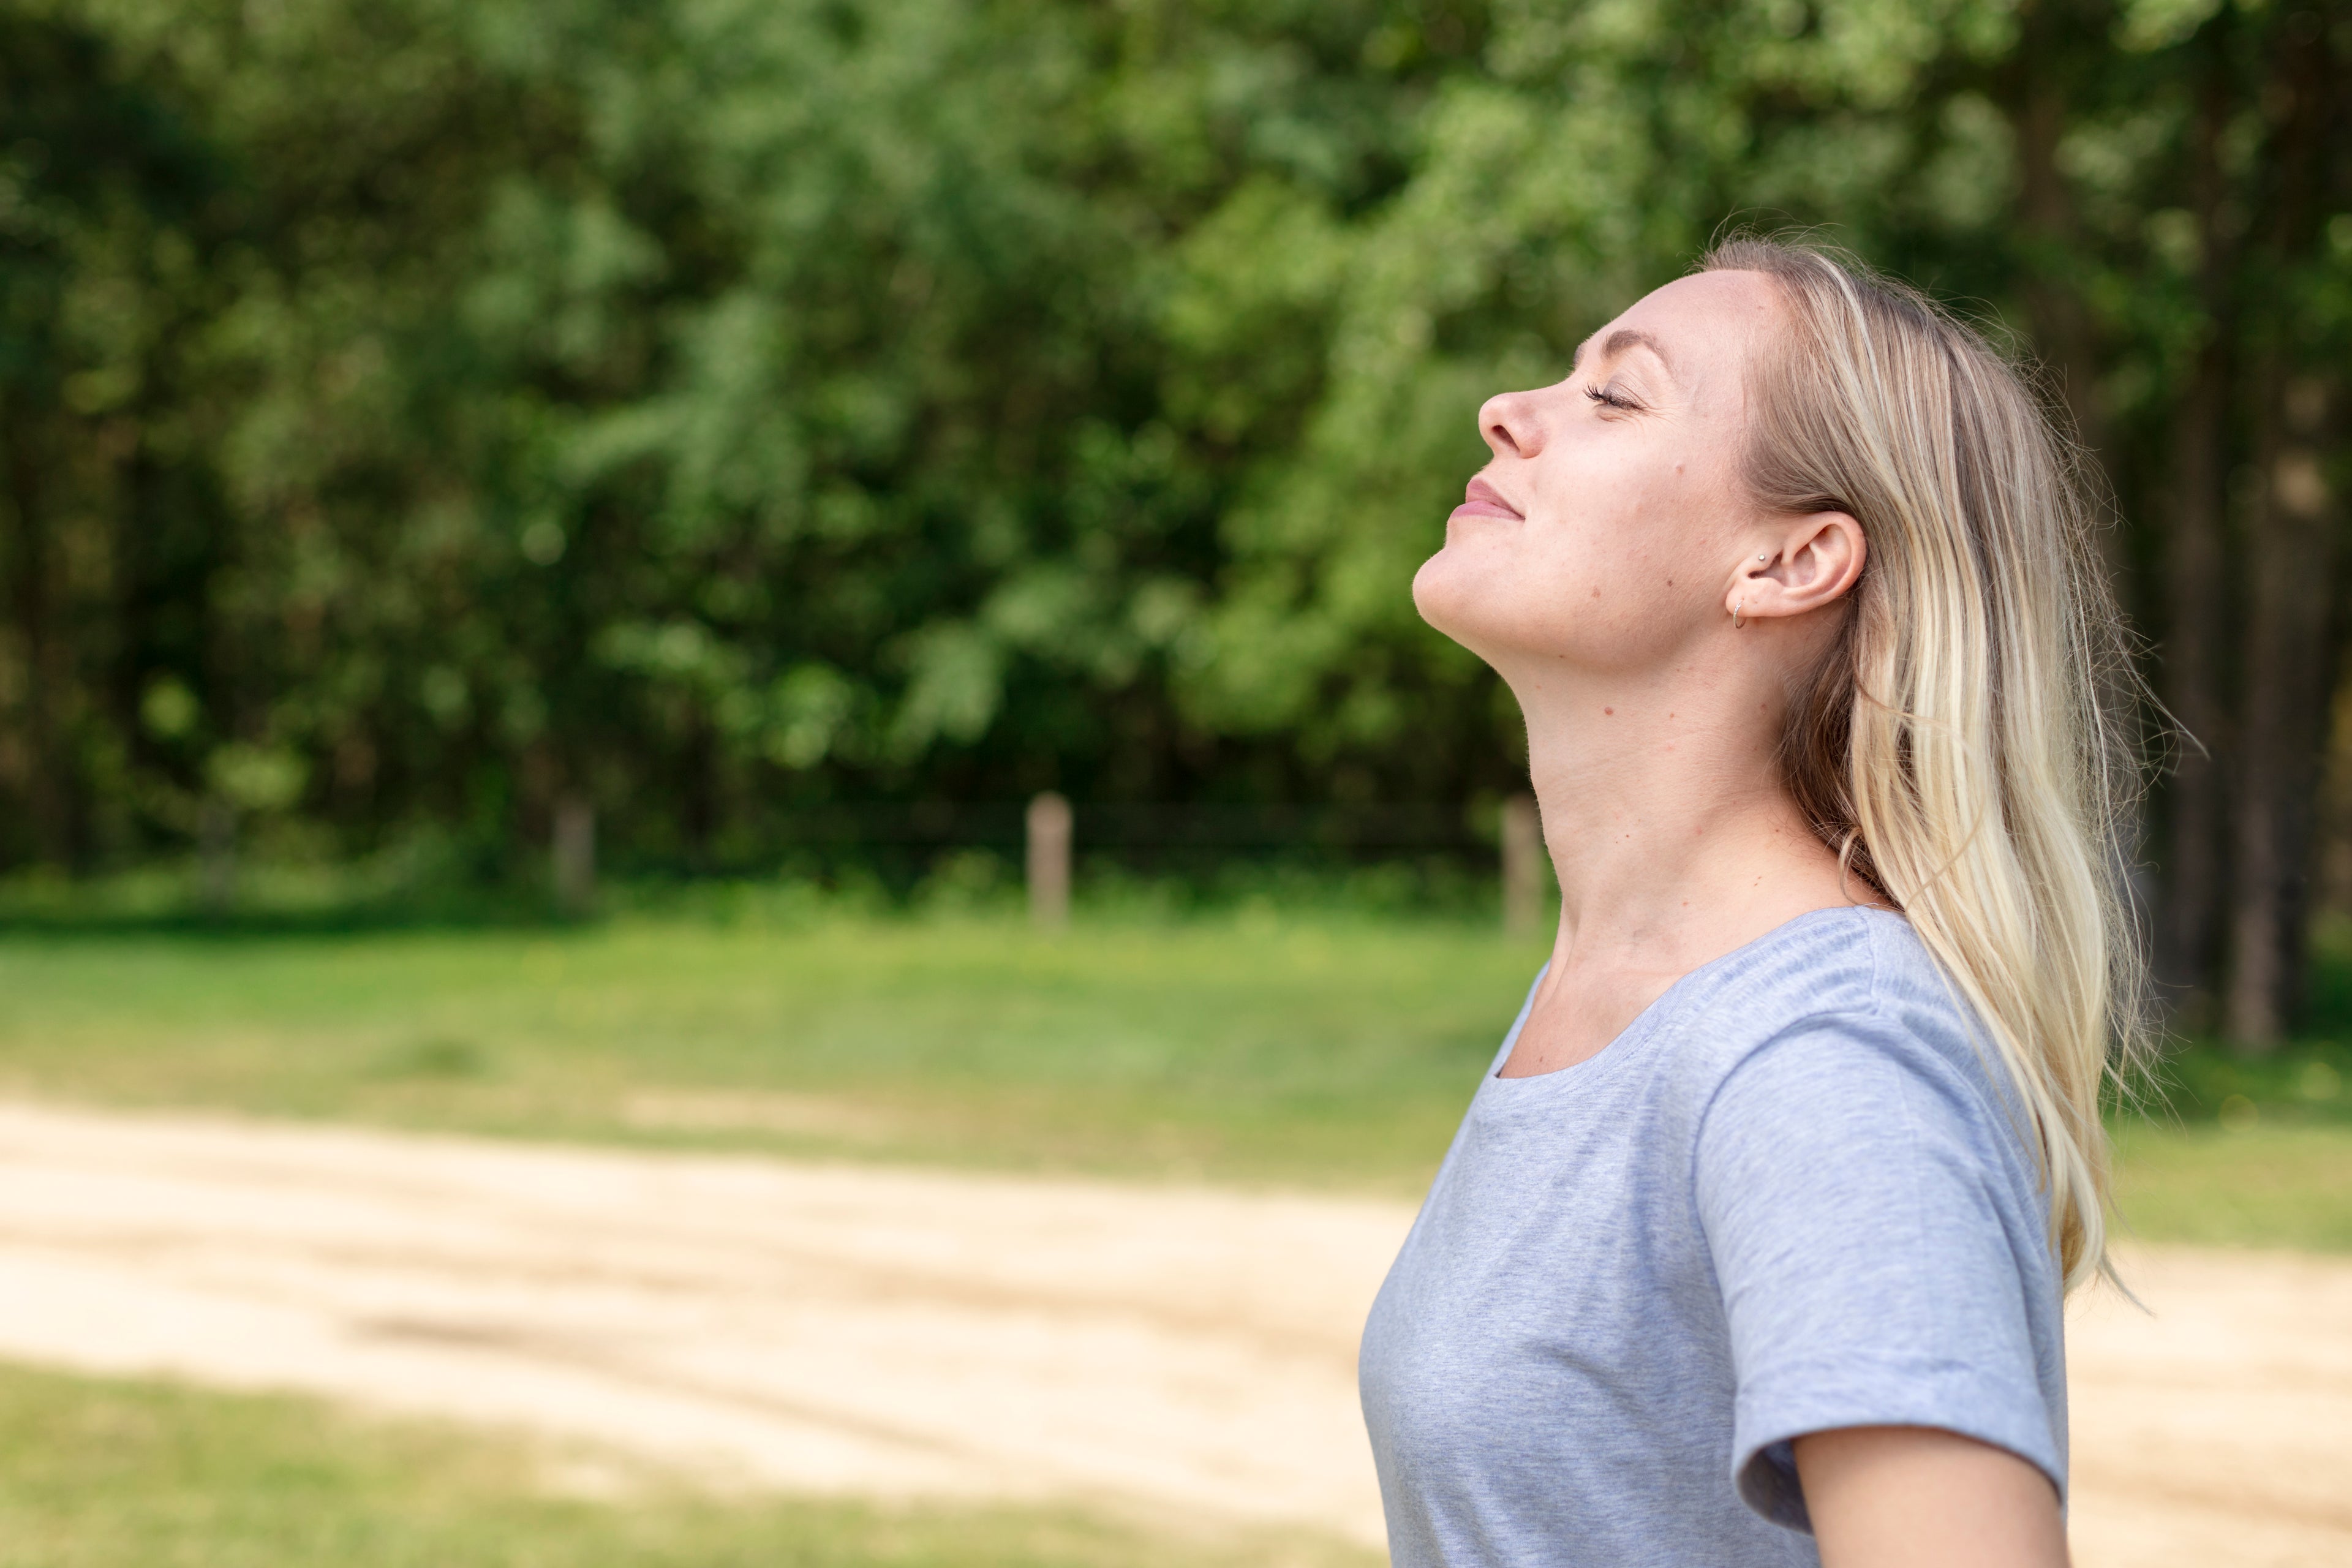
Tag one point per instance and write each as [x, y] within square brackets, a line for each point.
[1966, 743]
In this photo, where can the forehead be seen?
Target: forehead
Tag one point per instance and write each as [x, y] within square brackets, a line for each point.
[1708, 321]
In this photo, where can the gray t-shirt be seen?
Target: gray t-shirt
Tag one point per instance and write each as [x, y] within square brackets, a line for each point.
[1791, 1196]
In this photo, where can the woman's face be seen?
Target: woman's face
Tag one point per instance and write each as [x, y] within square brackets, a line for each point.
[1612, 520]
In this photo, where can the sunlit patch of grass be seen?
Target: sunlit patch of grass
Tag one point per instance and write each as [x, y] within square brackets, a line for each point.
[103, 1474]
[2247, 1148]
[1259, 1045]
[2244, 1185]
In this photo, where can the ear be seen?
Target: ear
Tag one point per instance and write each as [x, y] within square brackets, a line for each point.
[1809, 562]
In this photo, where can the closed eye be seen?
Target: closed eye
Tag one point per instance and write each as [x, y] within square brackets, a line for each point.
[1609, 396]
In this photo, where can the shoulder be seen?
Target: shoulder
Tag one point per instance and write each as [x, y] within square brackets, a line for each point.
[1847, 1004]
[1850, 964]
[1886, 1082]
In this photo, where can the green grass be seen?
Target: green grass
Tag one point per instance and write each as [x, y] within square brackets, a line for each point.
[2266, 1186]
[104, 1474]
[1258, 1046]
[1254, 1047]
[2237, 1150]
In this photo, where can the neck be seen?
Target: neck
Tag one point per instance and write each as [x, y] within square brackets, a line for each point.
[1668, 828]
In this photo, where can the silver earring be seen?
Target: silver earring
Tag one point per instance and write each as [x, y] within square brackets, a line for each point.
[1763, 558]
[1737, 605]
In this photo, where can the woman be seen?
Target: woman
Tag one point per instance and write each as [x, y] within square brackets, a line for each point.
[1752, 1243]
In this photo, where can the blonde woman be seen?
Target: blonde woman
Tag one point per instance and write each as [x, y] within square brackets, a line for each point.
[1751, 1247]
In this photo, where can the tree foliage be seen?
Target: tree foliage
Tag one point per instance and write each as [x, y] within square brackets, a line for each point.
[417, 412]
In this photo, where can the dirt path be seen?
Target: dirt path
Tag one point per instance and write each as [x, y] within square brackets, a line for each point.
[928, 1334]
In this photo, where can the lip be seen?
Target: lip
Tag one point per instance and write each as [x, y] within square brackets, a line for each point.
[1482, 499]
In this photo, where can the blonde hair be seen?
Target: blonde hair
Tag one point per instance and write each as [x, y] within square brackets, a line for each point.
[1964, 744]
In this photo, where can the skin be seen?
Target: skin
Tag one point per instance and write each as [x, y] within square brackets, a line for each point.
[1598, 565]
[1914, 1496]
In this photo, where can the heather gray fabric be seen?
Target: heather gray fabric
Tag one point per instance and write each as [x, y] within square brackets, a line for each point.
[1789, 1197]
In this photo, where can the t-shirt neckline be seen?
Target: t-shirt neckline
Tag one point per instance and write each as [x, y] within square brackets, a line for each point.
[1628, 1041]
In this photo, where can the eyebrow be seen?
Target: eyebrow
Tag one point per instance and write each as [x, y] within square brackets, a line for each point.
[1618, 341]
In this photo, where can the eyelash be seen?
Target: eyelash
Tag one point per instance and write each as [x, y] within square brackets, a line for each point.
[1601, 394]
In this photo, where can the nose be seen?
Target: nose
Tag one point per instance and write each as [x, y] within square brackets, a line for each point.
[1511, 424]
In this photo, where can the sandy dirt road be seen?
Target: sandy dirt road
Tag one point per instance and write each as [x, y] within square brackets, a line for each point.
[915, 1334]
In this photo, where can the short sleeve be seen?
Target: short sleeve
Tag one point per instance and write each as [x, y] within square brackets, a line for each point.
[1862, 1214]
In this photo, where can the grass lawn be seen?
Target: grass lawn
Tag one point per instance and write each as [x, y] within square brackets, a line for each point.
[1297, 1048]
[1252, 1048]
[106, 1474]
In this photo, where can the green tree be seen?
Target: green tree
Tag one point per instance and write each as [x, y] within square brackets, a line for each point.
[417, 413]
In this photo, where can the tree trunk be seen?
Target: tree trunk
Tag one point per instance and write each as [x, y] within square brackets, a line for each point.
[2197, 600]
[2064, 335]
[2062, 330]
[2196, 592]
[47, 810]
[2292, 548]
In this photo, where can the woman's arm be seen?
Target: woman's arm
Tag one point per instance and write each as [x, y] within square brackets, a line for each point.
[1918, 1496]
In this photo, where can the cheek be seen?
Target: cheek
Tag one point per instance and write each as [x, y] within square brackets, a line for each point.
[1641, 562]
[1611, 592]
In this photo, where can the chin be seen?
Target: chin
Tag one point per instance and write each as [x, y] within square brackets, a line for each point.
[1439, 591]
[1464, 593]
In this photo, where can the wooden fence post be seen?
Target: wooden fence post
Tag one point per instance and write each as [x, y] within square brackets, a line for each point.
[575, 855]
[1049, 861]
[215, 856]
[1523, 855]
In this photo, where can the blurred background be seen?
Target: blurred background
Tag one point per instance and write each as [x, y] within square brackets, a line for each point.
[550, 548]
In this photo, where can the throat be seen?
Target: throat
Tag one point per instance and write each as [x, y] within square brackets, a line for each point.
[1576, 1017]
